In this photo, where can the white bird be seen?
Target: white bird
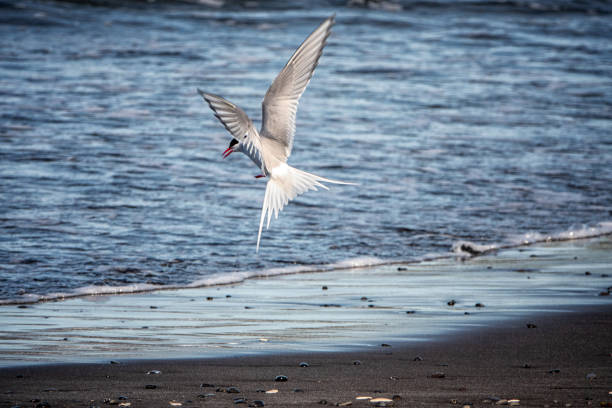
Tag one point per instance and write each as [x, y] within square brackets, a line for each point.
[270, 148]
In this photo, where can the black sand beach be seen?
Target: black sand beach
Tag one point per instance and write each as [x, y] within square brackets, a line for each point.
[553, 359]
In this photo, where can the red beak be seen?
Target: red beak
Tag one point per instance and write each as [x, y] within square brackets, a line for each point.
[227, 152]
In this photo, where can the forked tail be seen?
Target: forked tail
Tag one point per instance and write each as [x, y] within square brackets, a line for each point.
[285, 184]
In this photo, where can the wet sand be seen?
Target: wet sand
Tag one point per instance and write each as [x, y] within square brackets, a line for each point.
[565, 360]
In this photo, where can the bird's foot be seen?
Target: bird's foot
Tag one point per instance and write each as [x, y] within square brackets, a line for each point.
[259, 176]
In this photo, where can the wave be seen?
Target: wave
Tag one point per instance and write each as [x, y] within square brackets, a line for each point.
[461, 249]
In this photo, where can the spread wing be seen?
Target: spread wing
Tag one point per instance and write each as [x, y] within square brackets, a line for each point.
[236, 122]
[281, 101]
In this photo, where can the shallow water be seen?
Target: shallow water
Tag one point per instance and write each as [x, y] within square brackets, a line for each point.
[359, 309]
[478, 121]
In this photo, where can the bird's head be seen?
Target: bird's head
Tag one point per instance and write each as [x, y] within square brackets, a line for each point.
[233, 147]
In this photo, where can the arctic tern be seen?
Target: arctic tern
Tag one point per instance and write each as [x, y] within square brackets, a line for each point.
[270, 148]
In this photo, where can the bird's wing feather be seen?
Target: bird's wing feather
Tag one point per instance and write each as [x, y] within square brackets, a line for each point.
[236, 122]
[281, 101]
[284, 185]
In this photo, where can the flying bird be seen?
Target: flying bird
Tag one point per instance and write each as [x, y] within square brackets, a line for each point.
[270, 148]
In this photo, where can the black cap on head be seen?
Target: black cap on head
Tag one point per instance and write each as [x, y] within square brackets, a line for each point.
[233, 142]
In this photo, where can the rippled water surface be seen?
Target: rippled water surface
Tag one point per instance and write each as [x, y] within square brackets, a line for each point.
[476, 121]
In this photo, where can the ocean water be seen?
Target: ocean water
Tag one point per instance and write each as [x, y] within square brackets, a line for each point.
[469, 124]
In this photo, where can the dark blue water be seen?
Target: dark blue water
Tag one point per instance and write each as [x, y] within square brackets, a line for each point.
[478, 121]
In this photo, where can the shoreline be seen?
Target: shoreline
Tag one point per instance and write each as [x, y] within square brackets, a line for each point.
[462, 250]
[559, 359]
[329, 311]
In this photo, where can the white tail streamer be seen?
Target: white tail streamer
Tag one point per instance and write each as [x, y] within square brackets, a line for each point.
[284, 185]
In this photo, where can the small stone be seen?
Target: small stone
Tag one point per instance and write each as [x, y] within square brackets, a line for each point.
[362, 397]
[150, 387]
[479, 305]
[501, 402]
[356, 362]
[322, 402]
[381, 402]
[451, 302]
[606, 293]
[417, 358]
[363, 298]
[591, 376]
[304, 364]
[209, 298]
[526, 365]
[122, 398]
[125, 404]
[232, 390]
[324, 288]
[152, 307]
[400, 269]
[258, 403]
[344, 404]
[154, 372]
[114, 362]
[514, 402]
[371, 305]
[281, 378]
[273, 391]
[587, 273]
[531, 326]
[396, 397]
[410, 311]
[22, 307]
[554, 371]
[240, 400]
[43, 404]
[466, 313]
[298, 390]
[207, 385]
[175, 403]
[228, 296]
[385, 345]
[19, 376]
[437, 375]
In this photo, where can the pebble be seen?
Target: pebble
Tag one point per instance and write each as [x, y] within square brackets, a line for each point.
[114, 362]
[381, 402]
[531, 326]
[324, 288]
[125, 404]
[554, 371]
[232, 390]
[281, 378]
[591, 376]
[258, 403]
[344, 404]
[437, 375]
[43, 404]
[298, 390]
[240, 400]
[152, 307]
[385, 345]
[206, 385]
[479, 305]
[400, 269]
[417, 358]
[274, 391]
[604, 293]
[526, 365]
[209, 298]
[175, 403]
[363, 397]
[587, 273]
[150, 387]
[356, 362]
[451, 302]
[363, 298]
[153, 372]
[304, 364]
[322, 402]
[514, 402]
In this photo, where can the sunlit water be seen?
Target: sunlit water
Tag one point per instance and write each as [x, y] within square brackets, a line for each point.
[475, 121]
